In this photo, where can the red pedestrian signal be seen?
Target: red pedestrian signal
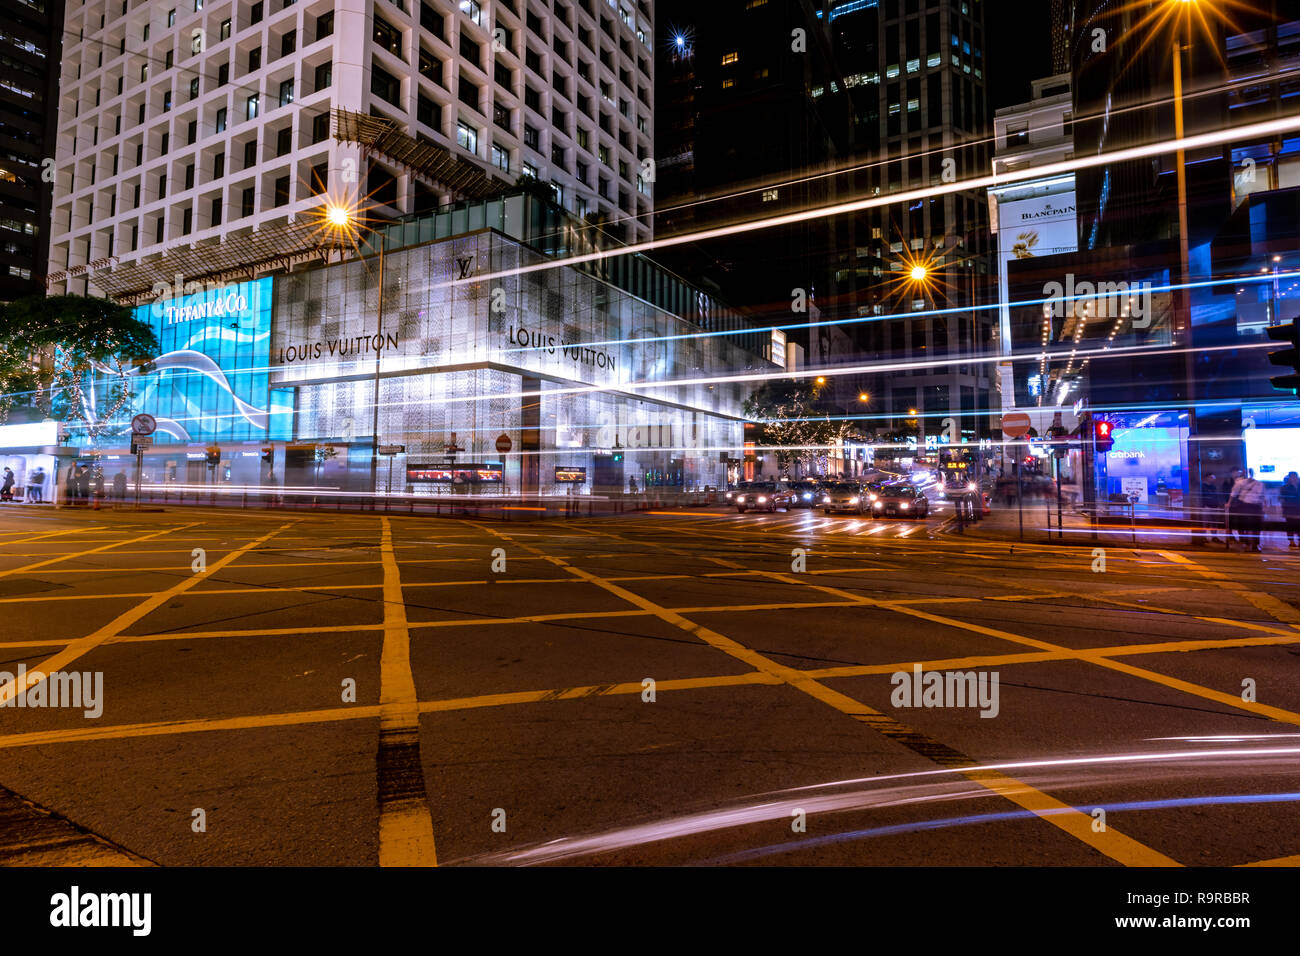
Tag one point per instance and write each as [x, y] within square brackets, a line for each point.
[1101, 435]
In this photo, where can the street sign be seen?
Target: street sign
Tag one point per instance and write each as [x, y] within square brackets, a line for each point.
[392, 449]
[1015, 424]
[142, 441]
[143, 424]
[504, 444]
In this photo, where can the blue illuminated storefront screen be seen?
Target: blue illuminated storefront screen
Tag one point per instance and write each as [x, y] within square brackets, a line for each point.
[210, 381]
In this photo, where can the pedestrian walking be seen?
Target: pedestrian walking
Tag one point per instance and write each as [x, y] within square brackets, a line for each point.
[1290, 498]
[119, 486]
[83, 484]
[7, 486]
[1248, 494]
[36, 485]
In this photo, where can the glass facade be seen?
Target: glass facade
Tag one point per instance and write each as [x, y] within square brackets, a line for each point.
[486, 358]
[573, 375]
[210, 381]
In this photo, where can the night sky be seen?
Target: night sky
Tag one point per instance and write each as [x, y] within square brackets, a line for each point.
[1019, 48]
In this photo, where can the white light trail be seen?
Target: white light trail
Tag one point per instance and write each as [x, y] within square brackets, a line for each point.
[1187, 143]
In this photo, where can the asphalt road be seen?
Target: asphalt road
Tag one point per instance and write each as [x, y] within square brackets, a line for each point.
[663, 688]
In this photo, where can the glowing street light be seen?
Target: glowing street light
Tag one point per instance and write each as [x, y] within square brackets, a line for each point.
[919, 273]
[338, 216]
[1180, 15]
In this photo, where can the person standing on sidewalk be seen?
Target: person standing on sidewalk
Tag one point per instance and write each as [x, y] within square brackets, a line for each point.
[1290, 497]
[1230, 508]
[1248, 495]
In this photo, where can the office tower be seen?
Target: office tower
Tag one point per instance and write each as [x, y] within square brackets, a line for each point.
[198, 122]
[29, 52]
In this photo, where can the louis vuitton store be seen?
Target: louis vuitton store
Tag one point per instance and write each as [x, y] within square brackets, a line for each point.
[484, 368]
[499, 373]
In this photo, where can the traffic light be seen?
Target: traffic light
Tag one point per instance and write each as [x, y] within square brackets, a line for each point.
[1101, 435]
[1288, 332]
[268, 455]
[213, 456]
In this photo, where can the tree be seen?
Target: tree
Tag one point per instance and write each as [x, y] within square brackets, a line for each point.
[789, 420]
[52, 346]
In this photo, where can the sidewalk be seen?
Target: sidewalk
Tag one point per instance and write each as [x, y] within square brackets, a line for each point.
[1003, 524]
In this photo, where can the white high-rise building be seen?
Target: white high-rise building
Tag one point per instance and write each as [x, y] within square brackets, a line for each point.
[185, 121]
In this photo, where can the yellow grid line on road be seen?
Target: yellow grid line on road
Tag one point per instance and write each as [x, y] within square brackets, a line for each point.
[1267, 603]
[1111, 842]
[81, 646]
[584, 692]
[1187, 687]
[50, 534]
[405, 823]
[771, 678]
[55, 559]
[483, 621]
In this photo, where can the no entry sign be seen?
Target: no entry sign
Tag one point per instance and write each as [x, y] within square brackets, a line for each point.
[1015, 424]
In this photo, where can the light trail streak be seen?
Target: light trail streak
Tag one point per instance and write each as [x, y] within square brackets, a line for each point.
[1265, 128]
[759, 186]
[814, 798]
[363, 370]
[809, 843]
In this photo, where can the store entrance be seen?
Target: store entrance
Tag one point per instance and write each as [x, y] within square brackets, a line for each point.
[608, 477]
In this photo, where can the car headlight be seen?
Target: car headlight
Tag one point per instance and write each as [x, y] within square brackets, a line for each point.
[880, 504]
[807, 496]
[826, 500]
[904, 505]
[972, 486]
[762, 500]
[853, 501]
[730, 495]
[740, 498]
[875, 497]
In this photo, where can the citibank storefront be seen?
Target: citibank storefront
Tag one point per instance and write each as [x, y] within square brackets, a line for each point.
[485, 369]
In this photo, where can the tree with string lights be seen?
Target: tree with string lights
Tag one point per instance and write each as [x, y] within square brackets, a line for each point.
[790, 421]
[51, 347]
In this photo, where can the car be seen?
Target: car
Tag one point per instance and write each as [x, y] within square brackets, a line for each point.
[845, 496]
[806, 493]
[764, 496]
[902, 499]
[738, 488]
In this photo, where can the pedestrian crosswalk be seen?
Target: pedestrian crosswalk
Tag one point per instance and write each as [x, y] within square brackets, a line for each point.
[802, 520]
